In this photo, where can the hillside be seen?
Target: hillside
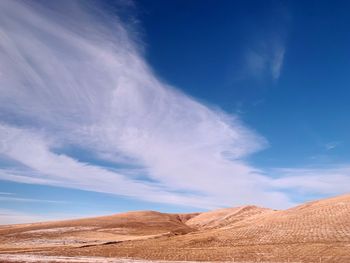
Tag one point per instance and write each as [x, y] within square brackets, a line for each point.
[311, 232]
[224, 217]
[119, 227]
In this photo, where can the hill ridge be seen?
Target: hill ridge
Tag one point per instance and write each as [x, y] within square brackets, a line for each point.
[320, 227]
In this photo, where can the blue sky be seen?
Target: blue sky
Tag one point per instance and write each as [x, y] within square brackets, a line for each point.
[171, 105]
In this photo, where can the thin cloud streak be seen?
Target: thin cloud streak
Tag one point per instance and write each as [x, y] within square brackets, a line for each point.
[277, 62]
[265, 60]
[326, 181]
[14, 217]
[9, 216]
[332, 145]
[29, 200]
[6, 193]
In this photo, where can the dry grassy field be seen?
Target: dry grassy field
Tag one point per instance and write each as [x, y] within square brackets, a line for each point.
[314, 232]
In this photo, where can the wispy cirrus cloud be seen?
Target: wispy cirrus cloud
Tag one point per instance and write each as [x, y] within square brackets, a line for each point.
[6, 193]
[277, 62]
[28, 200]
[264, 54]
[14, 217]
[326, 180]
[265, 59]
[84, 83]
[73, 77]
[332, 145]
[9, 216]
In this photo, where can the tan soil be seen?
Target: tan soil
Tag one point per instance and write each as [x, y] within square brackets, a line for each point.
[314, 232]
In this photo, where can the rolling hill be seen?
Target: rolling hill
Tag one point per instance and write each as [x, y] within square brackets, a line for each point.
[317, 231]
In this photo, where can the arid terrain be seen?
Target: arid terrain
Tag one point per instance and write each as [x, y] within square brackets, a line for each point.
[318, 231]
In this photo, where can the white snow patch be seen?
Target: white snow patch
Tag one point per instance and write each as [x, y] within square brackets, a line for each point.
[58, 230]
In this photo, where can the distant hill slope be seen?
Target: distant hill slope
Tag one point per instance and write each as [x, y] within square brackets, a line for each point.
[224, 217]
[97, 230]
[144, 221]
[325, 221]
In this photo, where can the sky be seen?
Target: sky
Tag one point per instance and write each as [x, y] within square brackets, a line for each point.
[175, 106]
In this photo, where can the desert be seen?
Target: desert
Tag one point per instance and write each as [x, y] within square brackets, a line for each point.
[317, 231]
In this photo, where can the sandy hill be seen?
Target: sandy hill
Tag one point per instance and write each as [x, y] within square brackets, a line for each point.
[97, 230]
[135, 220]
[311, 232]
[224, 217]
[325, 221]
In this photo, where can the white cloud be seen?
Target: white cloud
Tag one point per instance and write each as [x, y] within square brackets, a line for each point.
[331, 145]
[277, 62]
[10, 216]
[265, 60]
[329, 181]
[74, 78]
[28, 200]
[6, 193]
[14, 217]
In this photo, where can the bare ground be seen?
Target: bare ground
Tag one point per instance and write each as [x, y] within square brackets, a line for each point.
[314, 232]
